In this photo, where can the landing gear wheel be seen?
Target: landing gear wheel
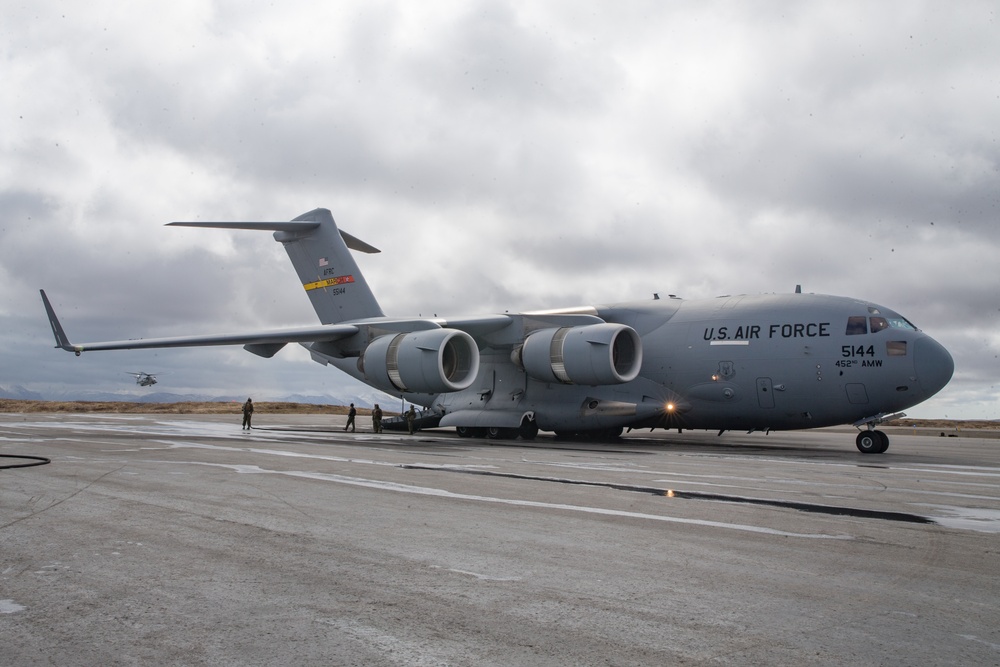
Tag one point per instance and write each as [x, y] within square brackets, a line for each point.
[528, 430]
[872, 442]
[498, 433]
[885, 442]
[463, 431]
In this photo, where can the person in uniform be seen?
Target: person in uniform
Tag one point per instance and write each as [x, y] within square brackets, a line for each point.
[247, 414]
[411, 416]
[377, 419]
[351, 414]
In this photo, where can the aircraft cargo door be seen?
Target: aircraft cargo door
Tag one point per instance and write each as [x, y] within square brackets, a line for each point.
[765, 393]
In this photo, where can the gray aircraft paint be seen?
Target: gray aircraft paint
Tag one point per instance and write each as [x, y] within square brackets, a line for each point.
[753, 362]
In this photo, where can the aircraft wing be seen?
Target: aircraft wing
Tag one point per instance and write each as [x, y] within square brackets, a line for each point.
[476, 326]
[270, 337]
[264, 343]
[482, 325]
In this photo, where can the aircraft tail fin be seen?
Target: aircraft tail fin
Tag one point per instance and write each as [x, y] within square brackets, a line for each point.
[320, 253]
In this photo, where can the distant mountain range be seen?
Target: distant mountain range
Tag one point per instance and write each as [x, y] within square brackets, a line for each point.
[361, 401]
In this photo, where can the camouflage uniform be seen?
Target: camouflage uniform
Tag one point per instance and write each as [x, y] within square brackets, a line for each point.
[411, 416]
[350, 419]
[247, 414]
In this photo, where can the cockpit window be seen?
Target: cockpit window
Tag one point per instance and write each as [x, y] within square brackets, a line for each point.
[857, 326]
[895, 348]
[901, 323]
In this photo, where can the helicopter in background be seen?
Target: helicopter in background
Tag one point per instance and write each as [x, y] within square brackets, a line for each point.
[143, 379]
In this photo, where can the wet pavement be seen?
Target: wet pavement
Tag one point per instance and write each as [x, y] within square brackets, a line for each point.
[183, 540]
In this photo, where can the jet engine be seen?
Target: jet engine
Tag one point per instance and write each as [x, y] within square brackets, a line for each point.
[594, 354]
[423, 362]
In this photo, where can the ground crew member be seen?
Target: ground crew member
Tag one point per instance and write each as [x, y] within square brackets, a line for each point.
[411, 416]
[247, 414]
[377, 419]
[351, 414]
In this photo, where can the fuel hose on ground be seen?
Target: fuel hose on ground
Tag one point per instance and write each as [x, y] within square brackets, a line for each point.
[32, 461]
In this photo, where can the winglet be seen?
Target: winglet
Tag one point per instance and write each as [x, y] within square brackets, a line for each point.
[61, 340]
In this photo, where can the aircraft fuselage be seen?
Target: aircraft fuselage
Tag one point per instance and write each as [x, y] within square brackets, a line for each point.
[755, 362]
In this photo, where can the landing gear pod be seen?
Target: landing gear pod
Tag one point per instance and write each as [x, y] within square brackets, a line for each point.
[595, 354]
[424, 362]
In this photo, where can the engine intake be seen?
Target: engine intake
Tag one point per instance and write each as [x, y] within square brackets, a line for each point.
[595, 354]
[424, 362]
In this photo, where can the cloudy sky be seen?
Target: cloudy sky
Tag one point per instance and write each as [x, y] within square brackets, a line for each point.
[503, 156]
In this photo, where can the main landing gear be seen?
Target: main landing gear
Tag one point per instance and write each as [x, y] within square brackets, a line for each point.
[872, 442]
[526, 431]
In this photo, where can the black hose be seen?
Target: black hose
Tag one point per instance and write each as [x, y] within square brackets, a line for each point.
[35, 461]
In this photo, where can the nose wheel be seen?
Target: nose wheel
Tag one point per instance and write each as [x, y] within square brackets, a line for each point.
[872, 442]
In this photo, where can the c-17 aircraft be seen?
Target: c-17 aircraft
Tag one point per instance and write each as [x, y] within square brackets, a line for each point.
[751, 362]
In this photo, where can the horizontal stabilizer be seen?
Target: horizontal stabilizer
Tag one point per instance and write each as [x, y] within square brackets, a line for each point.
[354, 243]
[292, 226]
[299, 226]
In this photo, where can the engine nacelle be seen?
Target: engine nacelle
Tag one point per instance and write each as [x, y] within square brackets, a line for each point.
[594, 354]
[423, 362]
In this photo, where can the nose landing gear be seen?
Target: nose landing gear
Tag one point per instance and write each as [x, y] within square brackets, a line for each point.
[871, 441]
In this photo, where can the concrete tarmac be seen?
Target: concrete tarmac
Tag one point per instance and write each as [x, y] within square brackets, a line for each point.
[182, 540]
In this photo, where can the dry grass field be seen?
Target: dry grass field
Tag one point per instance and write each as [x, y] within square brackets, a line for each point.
[187, 408]
[960, 424]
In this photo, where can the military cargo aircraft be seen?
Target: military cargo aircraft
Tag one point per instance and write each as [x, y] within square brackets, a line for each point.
[750, 362]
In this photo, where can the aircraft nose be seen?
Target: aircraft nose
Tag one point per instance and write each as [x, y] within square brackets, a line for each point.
[933, 364]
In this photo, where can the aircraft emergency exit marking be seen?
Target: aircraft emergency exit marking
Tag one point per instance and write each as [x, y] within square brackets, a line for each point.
[783, 330]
